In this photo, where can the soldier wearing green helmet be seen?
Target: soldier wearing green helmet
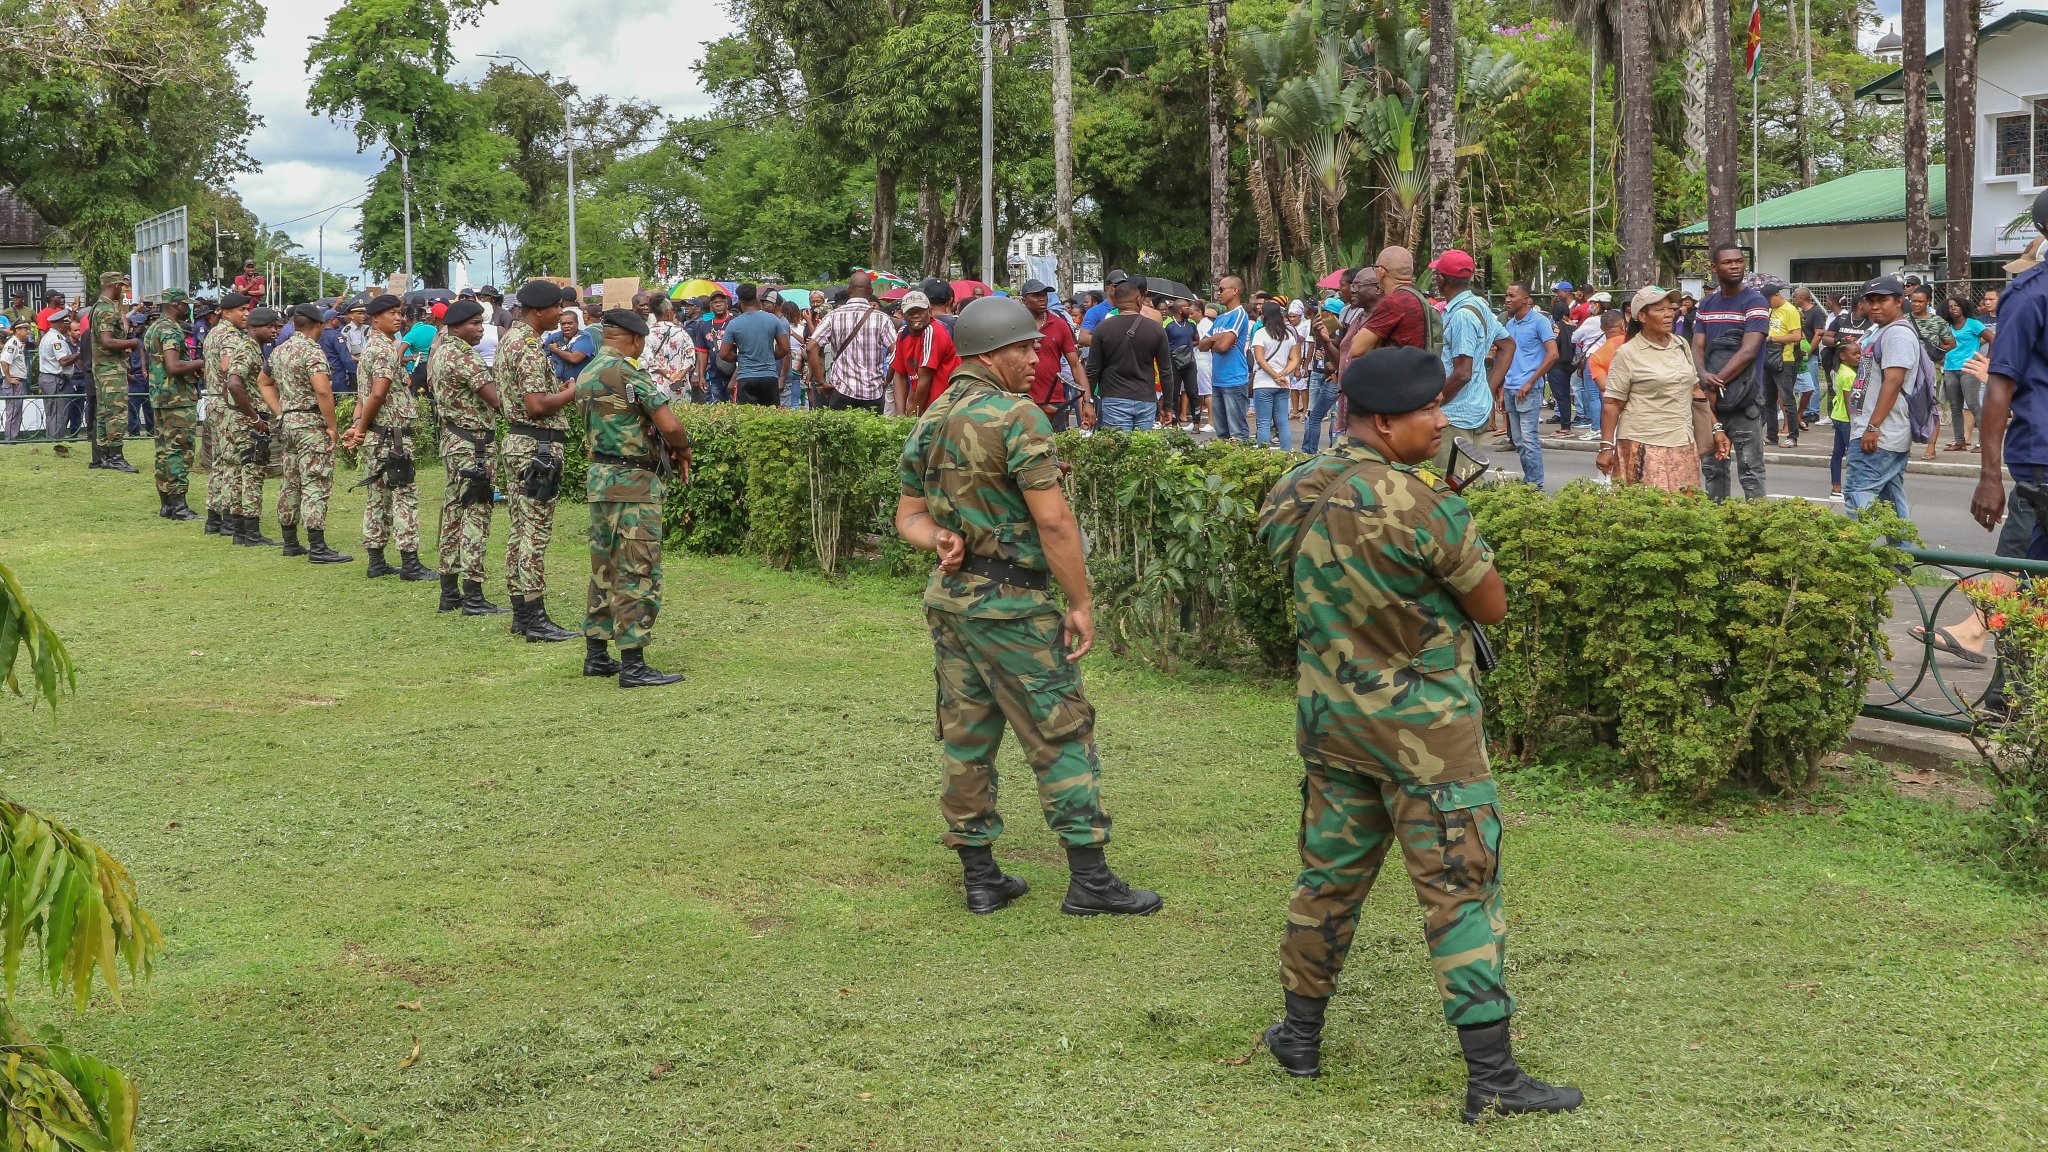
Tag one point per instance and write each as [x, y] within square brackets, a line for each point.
[981, 487]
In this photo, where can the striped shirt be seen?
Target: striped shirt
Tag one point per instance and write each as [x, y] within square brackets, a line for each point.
[860, 369]
[1746, 311]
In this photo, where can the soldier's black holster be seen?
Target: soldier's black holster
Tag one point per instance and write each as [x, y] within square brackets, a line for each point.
[542, 476]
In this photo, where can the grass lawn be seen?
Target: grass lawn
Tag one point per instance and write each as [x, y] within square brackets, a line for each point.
[718, 916]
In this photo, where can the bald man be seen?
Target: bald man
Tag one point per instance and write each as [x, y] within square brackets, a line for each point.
[1402, 320]
[858, 339]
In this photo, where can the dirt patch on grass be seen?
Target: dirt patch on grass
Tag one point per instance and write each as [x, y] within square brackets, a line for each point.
[1927, 784]
[416, 973]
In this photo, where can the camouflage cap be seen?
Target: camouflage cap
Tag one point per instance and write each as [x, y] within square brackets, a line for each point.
[173, 296]
[109, 279]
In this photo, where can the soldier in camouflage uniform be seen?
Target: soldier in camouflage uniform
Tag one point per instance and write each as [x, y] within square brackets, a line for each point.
[467, 401]
[234, 366]
[174, 397]
[299, 369]
[1389, 577]
[537, 428]
[981, 487]
[110, 345]
[632, 441]
[383, 430]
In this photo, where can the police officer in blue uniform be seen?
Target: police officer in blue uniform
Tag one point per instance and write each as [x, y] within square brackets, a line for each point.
[2015, 417]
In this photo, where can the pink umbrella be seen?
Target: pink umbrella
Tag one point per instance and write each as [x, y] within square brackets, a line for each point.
[895, 293]
[965, 290]
[1333, 280]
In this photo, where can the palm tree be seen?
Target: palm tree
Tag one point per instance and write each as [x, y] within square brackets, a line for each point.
[1443, 127]
[1219, 145]
[1316, 115]
[1959, 126]
[1919, 230]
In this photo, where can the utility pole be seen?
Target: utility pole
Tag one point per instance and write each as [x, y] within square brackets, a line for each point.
[217, 269]
[988, 147]
[1062, 150]
[569, 147]
[320, 260]
[405, 187]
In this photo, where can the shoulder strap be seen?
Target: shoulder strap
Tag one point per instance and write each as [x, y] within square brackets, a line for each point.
[865, 316]
[1315, 513]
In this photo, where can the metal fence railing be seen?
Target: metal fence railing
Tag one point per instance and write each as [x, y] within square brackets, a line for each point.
[1929, 685]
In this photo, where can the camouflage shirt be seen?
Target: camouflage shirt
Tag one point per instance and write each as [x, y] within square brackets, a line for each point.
[456, 372]
[381, 361]
[522, 369]
[107, 321]
[231, 351]
[1385, 680]
[165, 390]
[293, 364]
[618, 400]
[971, 458]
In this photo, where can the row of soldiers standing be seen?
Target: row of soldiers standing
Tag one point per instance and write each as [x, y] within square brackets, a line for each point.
[634, 444]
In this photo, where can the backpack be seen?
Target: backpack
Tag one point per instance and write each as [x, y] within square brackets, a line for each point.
[1432, 321]
[1919, 391]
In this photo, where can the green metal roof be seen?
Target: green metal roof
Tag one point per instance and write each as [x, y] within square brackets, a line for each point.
[1871, 196]
[1896, 79]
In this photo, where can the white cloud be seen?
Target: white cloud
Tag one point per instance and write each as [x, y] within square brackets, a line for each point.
[310, 165]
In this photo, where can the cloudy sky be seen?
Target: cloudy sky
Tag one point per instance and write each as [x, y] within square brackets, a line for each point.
[310, 166]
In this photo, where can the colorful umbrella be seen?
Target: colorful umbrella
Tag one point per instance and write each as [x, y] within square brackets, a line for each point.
[692, 289]
[965, 290]
[801, 297]
[896, 293]
[1333, 280]
[885, 280]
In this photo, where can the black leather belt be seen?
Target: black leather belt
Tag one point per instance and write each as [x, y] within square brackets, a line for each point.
[1004, 572]
[307, 411]
[542, 435]
[643, 462]
[477, 436]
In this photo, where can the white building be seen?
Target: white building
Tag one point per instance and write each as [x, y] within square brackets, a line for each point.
[26, 265]
[1851, 229]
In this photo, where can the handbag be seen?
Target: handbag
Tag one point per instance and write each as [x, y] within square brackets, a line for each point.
[1745, 395]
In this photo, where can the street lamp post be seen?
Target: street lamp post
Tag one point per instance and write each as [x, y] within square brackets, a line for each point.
[568, 149]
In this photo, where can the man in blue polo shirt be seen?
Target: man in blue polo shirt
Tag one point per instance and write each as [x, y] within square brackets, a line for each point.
[1470, 329]
[1230, 373]
[1535, 339]
[1727, 352]
[2015, 417]
[1103, 307]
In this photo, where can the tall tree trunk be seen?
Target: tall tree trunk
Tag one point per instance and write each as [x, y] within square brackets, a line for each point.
[1634, 214]
[1293, 170]
[1694, 93]
[1259, 186]
[955, 225]
[933, 251]
[1219, 147]
[1721, 169]
[1442, 110]
[1919, 230]
[1062, 148]
[882, 245]
[1959, 127]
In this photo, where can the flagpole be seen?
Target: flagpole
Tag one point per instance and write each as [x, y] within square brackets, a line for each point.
[1756, 244]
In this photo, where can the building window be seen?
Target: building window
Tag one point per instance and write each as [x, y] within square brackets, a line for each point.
[2010, 133]
[1834, 271]
[2041, 142]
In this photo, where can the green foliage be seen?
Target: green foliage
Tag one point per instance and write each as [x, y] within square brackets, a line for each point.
[1703, 642]
[2016, 754]
[49, 662]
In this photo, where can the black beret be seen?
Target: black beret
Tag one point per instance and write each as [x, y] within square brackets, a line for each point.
[310, 313]
[626, 320]
[234, 300]
[539, 294]
[462, 312]
[382, 304]
[264, 317]
[1392, 381]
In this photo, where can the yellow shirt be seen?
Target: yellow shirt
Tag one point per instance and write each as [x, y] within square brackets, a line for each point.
[1785, 320]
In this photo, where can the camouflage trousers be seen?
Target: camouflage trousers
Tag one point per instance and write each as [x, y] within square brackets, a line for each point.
[1450, 840]
[465, 529]
[175, 430]
[232, 487]
[308, 477]
[388, 513]
[532, 523]
[625, 572]
[110, 416]
[994, 671]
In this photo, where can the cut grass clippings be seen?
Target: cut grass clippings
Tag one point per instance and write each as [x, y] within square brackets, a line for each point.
[423, 886]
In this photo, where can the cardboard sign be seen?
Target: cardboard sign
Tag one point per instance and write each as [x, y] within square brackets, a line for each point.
[620, 290]
[398, 284]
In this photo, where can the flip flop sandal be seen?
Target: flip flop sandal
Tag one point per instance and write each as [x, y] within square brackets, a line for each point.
[1947, 643]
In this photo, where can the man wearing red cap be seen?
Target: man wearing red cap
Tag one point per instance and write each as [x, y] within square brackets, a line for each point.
[1470, 331]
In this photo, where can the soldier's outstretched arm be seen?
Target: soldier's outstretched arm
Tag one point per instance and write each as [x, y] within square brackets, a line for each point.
[1062, 539]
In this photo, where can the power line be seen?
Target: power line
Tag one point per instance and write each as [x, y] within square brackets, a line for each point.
[319, 212]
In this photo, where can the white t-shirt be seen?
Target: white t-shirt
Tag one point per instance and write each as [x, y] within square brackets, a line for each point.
[51, 353]
[1892, 346]
[1205, 362]
[488, 346]
[1274, 348]
[1305, 339]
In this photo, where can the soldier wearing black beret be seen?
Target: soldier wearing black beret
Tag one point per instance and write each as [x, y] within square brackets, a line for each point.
[466, 399]
[383, 429]
[535, 406]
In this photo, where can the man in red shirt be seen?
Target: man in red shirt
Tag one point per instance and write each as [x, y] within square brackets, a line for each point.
[250, 282]
[1397, 321]
[923, 363]
[1055, 341]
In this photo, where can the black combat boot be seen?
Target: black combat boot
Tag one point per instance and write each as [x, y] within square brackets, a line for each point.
[254, 523]
[318, 552]
[378, 566]
[1495, 1083]
[292, 547]
[213, 526]
[1297, 1040]
[1094, 890]
[451, 595]
[597, 661]
[410, 568]
[636, 673]
[988, 890]
[473, 602]
[163, 506]
[117, 459]
[99, 456]
[522, 617]
[540, 629]
[179, 510]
